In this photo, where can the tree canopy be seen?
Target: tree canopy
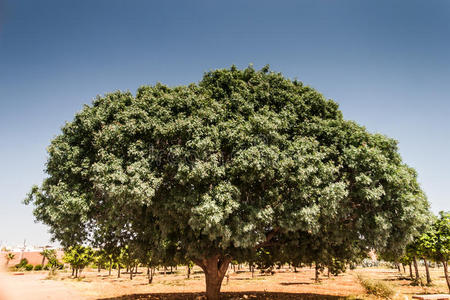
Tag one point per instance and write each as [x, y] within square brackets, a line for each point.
[216, 170]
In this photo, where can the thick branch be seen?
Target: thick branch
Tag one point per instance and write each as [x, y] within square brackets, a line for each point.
[269, 238]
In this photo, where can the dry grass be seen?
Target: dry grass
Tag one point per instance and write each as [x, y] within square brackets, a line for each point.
[378, 288]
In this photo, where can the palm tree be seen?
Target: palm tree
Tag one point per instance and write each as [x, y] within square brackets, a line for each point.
[9, 256]
[48, 254]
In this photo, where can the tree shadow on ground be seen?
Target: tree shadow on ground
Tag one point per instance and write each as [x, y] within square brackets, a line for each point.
[227, 295]
[400, 278]
[295, 283]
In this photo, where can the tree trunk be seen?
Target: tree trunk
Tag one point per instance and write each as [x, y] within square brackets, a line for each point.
[110, 266]
[416, 268]
[76, 272]
[73, 271]
[316, 278]
[446, 274]
[213, 284]
[188, 272]
[43, 260]
[150, 277]
[214, 268]
[131, 272]
[404, 270]
[398, 267]
[410, 271]
[427, 271]
[118, 271]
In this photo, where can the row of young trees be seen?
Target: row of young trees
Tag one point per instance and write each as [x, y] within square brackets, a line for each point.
[79, 257]
[216, 171]
[431, 245]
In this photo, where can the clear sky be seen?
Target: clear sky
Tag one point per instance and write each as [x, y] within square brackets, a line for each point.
[387, 63]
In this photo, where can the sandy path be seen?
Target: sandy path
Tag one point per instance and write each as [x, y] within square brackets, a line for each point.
[34, 286]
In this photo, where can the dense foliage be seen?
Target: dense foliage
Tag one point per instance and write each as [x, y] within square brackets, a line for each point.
[214, 171]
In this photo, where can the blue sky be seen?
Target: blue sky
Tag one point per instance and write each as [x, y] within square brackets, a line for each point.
[387, 63]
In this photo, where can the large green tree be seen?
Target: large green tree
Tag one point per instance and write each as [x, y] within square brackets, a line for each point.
[242, 160]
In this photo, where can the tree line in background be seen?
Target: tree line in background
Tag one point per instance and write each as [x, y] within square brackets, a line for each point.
[244, 166]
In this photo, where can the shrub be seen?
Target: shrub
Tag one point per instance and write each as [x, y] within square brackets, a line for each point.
[38, 267]
[337, 266]
[29, 267]
[376, 287]
[53, 266]
[22, 264]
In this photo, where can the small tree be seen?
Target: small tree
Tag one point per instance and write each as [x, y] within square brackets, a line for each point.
[21, 265]
[424, 250]
[78, 257]
[189, 266]
[129, 258]
[412, 250]
[49, 254]
[53, 263]
[406, 260]
[9, 256]
[265, 260]
[437, 242]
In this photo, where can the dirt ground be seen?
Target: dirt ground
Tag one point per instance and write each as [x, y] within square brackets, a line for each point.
[34, 286]
[284, 284]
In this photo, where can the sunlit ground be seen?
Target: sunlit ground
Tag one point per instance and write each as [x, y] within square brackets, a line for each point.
[284, 284]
